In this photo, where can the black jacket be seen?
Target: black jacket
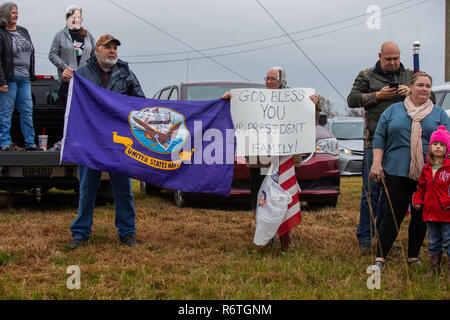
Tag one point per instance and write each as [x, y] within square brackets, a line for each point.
[122, 78]
[7, 57]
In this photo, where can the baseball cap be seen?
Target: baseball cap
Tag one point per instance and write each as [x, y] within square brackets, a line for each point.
[105, 39]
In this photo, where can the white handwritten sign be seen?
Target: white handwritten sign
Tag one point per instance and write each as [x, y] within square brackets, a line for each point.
[273, 122]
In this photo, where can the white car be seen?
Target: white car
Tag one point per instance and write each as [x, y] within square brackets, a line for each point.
[349, 131]
[442, 93]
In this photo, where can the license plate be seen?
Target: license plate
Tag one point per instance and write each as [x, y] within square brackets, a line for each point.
[37, 171]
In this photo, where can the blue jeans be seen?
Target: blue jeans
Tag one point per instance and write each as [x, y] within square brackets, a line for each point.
[123, 201]
[366, 227]
[438, 237]
[18, 95]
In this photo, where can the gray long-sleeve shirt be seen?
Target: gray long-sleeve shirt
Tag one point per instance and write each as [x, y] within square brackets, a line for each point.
[62, 53]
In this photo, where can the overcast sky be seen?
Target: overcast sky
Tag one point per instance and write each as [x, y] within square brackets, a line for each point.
[335, 35]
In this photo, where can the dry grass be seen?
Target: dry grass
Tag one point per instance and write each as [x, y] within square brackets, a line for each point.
[196, 253]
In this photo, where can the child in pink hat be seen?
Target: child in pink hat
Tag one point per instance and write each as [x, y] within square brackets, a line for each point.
[433, 195]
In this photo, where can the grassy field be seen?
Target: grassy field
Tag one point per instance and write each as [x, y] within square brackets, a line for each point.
[205, 252]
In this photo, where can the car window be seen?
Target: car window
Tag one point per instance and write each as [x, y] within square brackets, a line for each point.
[156, 95]
[165, 94]
[348, 130]
[209, 92]
[446, 102]
[43, 94]
[439, 96]
[174, 94]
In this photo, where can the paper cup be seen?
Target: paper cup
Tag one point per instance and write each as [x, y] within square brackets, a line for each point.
[43, 139]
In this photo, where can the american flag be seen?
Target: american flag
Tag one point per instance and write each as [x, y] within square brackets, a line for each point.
[288, 181]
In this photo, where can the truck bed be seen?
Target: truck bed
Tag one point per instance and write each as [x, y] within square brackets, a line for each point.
[31, 158]
[40, 171]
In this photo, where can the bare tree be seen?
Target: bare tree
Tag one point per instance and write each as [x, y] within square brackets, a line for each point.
[355, 112]
[327, 106]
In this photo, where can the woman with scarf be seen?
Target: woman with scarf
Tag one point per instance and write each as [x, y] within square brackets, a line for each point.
[400, 145]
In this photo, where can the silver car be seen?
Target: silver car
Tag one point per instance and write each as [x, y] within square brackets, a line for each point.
[349, 132]
[442, 93]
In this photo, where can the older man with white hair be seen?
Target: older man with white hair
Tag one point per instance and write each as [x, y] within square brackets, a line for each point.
[108, 71]
[276, 79]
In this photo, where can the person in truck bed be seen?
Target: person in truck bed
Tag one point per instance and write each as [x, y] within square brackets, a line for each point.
[16, 74]
[71, 47]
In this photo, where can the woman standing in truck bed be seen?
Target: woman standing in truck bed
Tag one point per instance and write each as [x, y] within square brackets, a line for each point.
[73, 45]
[16, 74]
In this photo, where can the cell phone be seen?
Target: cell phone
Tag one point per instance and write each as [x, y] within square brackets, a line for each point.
[393, 84]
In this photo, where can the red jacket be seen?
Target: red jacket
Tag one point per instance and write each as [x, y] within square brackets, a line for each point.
[434, 194]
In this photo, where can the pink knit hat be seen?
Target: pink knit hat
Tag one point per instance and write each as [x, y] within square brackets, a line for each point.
[441, 135]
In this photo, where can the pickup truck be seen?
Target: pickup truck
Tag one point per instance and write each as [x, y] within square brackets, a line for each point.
[39, 171]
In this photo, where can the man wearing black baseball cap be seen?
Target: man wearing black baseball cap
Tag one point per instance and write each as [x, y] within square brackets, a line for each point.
[108, 71]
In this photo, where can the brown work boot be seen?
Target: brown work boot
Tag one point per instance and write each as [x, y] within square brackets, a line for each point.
[435, 266]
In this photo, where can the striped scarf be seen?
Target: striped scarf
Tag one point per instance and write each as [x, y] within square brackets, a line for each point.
[416, 114]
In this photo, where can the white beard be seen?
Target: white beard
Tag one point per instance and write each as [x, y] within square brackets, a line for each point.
[108, 63]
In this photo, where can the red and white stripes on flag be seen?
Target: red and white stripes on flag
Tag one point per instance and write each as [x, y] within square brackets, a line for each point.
[288, 181]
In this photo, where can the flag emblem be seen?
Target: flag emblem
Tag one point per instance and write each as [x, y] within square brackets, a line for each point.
[161, 130]
[262, 199]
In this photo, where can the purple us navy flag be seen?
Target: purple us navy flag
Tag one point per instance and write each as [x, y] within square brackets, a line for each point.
[180, 145]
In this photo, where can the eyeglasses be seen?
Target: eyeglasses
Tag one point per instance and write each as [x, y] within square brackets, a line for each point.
[270, 79]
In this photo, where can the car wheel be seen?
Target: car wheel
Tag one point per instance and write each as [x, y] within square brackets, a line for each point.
[147, 188]
[180, 198]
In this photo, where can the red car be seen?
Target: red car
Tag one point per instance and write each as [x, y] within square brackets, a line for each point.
[318, 177]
